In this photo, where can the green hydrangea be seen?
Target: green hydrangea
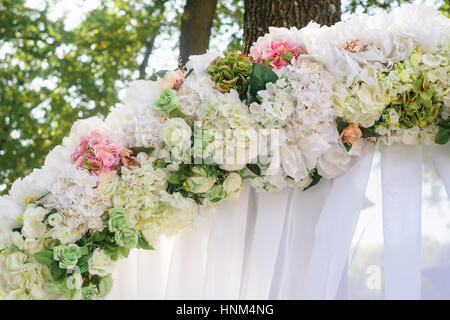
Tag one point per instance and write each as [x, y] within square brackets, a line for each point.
[231, 72]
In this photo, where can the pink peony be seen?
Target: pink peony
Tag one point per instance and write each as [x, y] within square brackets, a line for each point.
[97, 153]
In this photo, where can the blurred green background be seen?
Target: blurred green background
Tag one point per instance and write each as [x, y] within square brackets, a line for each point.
[62, 60]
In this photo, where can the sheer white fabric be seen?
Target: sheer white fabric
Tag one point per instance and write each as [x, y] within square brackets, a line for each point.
[291, 244]
[401, 176]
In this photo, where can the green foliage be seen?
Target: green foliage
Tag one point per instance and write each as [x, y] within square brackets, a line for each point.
[51, 76]
[443, 134]
[259, 77]
[44, 257]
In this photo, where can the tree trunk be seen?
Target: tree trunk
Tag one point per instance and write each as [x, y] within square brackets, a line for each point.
[196, 26]
[262, 14]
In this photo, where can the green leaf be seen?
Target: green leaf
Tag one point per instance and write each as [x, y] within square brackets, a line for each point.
[174, 178]
[177, 113]
[143, 244]
[112, 250]
[105, 285]
[341, 125]
[315, 178]
[369, 132]
[253, 167]
[58, 274]
[124, 251]
[83, 263]
[158, 74]
[146, 150]
[444, 123]
[259, 77]
[442, 136]
[44, 257]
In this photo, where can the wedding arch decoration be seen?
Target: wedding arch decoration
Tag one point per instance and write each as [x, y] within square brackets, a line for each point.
[300, 107]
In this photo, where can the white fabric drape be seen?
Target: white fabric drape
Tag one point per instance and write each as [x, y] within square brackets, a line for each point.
[226, 249]
[335, 228]
[441, 157]
[188, 260]
[143, 275]
[290, 244]
[290, 281]
[401, 176]
[264, 242]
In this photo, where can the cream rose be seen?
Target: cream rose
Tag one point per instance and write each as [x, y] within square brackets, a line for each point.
[176, 134]
[233, 186]
[101, 263]
[33, 225]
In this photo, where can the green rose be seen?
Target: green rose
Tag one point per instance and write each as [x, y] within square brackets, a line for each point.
[167, 101]
[200, 182]
[67, 255]
[105, 285]
[216, 194]
[127, 238]
[118, 219]
[88, 293]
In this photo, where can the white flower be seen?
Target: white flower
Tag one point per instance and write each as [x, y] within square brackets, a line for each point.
[200, 62]
[33, 225]
[334, 162]
[176, 134]
[35, 185]
[65, 234]
[100, 263]
[54, 219]
[16, 261]
[233, 186]
[9, 213]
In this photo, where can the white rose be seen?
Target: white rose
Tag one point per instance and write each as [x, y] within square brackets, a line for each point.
[54, 219]
[33, 225]
[100, 263]
[32, 246]
[335, 162]
[16, 261]
[176, 134]
[233, 186]
[65, 234]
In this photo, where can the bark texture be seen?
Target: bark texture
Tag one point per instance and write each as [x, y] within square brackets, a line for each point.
[196, 26]
[262, 14]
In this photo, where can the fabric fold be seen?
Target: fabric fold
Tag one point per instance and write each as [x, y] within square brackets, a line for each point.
[401, 177]
[335, 228]
[186, 274]
[225, 251]
[441, 157]
[264, 244]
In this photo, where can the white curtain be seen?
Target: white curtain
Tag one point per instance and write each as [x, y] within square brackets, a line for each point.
[290, 244]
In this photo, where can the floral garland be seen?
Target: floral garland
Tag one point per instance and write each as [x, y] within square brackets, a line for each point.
[120, 183]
